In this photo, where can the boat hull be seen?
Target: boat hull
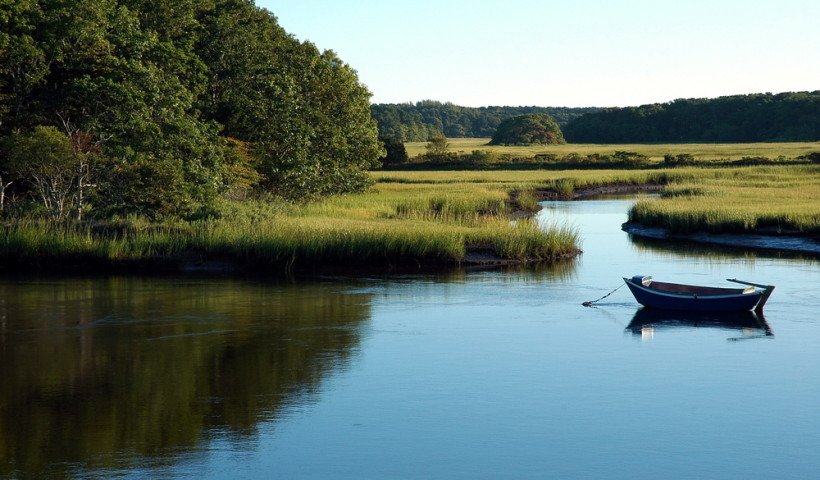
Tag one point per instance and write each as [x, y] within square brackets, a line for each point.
[651, 298]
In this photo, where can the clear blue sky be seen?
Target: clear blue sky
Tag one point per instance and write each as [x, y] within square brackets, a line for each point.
[564, 52]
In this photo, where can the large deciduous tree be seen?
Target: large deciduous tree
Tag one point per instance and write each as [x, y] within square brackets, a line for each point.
[158, 86]
[305, 111]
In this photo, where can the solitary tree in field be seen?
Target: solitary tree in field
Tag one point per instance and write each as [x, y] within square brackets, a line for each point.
[530, 129]
[437, 145]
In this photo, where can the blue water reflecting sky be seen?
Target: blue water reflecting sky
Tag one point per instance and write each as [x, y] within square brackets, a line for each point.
[480, 374]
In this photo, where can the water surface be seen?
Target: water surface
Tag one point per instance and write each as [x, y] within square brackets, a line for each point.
[479, 374]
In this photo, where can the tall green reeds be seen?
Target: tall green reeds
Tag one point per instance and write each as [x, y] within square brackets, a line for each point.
[399, 224]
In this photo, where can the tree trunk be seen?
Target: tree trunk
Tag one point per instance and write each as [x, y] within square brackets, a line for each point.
[3, 187]
[80, 185]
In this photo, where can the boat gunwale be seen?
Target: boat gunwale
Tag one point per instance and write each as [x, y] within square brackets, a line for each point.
[689, 295]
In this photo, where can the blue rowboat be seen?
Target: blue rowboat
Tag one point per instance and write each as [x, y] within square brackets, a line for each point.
[693, 298]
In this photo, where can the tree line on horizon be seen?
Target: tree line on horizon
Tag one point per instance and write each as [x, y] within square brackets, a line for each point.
[159, 107]
[761, 117]
[421, 121]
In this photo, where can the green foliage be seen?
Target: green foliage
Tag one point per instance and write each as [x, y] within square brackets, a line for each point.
[156, 86]
[418, 122]
[630, 159]
[437, 145]
[537, 128]
[45, 160]
[792, 116]
[395, 153]
[239, 170]
[305, 111]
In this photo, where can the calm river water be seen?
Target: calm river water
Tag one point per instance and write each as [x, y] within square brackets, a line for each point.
[477, 374]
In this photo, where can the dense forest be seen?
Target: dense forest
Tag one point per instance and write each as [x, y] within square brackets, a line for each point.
[408, 122]
[159, 107]
[763, 117]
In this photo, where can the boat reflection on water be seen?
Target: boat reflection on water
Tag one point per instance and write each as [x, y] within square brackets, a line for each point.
[647, 322]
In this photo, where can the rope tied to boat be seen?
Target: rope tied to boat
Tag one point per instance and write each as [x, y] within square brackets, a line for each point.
[590, 302]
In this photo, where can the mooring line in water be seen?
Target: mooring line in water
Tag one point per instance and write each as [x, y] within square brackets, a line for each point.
[589, 303]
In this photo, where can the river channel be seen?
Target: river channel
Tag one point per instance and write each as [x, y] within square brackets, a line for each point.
[469, 374]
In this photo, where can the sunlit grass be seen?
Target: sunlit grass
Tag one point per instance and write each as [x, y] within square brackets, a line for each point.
[391, 224]
[701, 151]
[422, 218]
[739, 199]
[785, 199]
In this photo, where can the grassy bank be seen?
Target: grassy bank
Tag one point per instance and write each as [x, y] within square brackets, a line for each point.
[762, 199]
[393, 226]
[655, 152]
[417, 220]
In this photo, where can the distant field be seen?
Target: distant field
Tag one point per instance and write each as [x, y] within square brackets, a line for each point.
[701, 151]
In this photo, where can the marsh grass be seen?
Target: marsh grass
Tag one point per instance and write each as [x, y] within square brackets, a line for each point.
[393, 225]
[655, 152]
[526, 200]
[418, 218]
[776, 199]
[738, 200]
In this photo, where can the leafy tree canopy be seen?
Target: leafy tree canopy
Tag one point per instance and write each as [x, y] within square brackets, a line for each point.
[158, 85]
[792, 116]
[530, 129]
[418, 122]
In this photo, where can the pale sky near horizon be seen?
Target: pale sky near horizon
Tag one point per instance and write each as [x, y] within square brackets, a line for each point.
[564, 53]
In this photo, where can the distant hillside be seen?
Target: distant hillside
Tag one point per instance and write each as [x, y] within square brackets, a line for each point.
[417, 122]
[761, 117]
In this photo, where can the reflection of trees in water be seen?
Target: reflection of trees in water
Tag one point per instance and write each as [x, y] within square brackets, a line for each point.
[92, 371]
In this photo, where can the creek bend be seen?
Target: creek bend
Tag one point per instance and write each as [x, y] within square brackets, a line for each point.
[487, 373]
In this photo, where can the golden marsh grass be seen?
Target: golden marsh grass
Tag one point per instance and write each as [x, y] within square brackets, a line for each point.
[700, 151]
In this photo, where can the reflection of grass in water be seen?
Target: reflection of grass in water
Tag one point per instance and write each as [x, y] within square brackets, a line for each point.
[86, 387]
[717, 254]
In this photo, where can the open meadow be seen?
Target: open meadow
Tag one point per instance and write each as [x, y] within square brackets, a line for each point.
[700, 151]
